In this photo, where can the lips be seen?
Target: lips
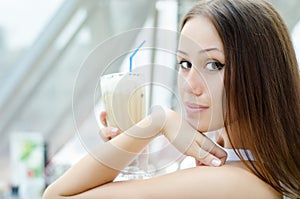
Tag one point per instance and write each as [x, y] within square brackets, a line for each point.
[192, 108]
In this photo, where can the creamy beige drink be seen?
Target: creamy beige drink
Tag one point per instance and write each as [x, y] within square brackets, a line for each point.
[124, 99]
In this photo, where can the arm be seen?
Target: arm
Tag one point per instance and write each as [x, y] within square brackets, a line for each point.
[103, 165]
[199, 183]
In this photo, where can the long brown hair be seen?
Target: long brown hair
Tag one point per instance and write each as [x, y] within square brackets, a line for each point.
[262, 88]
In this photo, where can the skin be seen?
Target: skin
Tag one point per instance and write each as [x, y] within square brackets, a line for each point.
[91, 179]
[200, 85]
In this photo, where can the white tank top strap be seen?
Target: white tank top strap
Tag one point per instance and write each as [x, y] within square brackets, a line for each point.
[232, 156]
[285, 197]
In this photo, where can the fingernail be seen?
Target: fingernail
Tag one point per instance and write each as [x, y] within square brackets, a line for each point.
[216, 162]
[114, 131]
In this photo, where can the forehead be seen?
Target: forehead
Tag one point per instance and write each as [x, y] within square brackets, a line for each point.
[199, 32]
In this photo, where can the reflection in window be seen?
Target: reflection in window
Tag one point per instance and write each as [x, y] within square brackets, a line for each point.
[20, 24]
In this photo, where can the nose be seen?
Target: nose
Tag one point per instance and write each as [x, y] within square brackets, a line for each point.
[195, 82]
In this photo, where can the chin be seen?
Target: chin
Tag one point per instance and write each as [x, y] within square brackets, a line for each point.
[197, 125]
[204, 126]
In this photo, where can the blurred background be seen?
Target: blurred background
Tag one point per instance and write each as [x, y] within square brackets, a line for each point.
[42, 46]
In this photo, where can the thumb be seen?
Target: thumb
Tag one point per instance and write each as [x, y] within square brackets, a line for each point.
[108, 133]
[102, 118]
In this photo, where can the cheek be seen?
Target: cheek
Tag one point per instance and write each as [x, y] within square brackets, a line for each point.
[180, 85]
[216, 90]
[217, 101]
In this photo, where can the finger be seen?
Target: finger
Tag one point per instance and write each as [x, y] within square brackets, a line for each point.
[209, 153]
[103, 116]
[204, 157]
[208, 159]
[108, 133]
[210, 146]
[103, 134]
[219, 153]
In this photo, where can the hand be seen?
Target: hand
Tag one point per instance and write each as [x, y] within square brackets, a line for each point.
[190, 141]
[107, 133]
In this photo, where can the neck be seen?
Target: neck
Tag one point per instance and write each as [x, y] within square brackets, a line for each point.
[222, 138]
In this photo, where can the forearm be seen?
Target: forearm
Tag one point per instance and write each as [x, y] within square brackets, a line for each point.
[103, 164]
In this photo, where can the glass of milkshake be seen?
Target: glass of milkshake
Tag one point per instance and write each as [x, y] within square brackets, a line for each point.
[124, 100]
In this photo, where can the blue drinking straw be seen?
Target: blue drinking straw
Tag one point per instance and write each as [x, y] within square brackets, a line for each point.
[134, 52]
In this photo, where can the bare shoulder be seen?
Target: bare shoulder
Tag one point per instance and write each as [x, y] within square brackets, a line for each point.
[199, 182]
[233, 182]
[224, 182]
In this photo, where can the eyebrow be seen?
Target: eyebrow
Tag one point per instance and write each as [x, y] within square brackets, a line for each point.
[201, 51]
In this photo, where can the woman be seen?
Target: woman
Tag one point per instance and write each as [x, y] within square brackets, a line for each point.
[241, 75]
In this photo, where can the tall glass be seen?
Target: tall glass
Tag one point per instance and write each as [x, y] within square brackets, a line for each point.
[125, 103]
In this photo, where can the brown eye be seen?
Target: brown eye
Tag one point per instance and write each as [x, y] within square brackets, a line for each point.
[185, 64]
[214, 65]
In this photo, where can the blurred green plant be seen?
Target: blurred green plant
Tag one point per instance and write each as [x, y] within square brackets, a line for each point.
[27, 148]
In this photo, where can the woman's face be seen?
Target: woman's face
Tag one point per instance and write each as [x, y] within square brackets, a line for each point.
[200, 80]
